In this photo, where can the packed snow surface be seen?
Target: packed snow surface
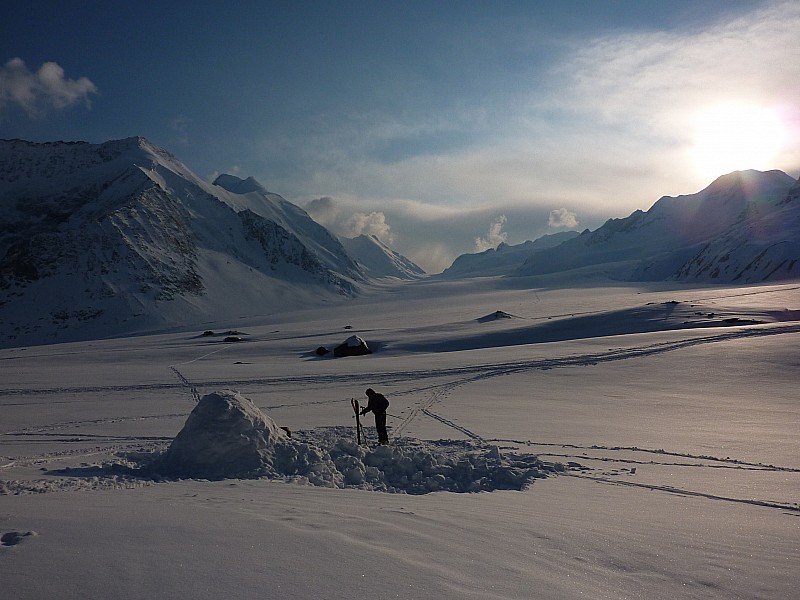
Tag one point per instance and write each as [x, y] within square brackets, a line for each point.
[606, 441]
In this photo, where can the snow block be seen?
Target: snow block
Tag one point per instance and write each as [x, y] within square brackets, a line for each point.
[226, 435]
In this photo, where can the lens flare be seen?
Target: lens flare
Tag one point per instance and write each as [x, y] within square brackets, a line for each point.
[734, 137]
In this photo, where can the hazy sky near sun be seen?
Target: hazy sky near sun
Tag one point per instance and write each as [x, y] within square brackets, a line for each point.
[443, 127]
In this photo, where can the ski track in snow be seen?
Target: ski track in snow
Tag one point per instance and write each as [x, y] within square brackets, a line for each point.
[466, 374]
[791, 508]
[185, 382]
[577, 470]
[434, 393]
[499, 370]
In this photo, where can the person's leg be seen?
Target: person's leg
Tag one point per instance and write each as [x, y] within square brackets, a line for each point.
[380, 425]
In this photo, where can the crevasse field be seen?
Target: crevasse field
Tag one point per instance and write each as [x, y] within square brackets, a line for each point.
[672, 410]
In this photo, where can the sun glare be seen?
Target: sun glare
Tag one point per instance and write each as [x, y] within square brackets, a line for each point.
[733, 137]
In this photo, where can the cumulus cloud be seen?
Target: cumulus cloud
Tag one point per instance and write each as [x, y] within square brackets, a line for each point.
[373, 223]
[433, 236]
[561, 218]
[43, 91]
[347, 218]
[322, 210]
[494, 237]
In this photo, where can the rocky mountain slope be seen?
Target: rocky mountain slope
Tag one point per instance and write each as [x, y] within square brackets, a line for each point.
[103, 239]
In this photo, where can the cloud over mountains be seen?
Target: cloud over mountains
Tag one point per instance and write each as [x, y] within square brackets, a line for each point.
[42, 91]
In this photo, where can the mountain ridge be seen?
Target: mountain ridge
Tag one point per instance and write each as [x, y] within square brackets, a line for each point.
[660, 243]
[379, 260]
[504, 258]
[110, 239]
[106, 239]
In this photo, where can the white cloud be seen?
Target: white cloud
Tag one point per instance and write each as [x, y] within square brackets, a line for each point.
[40, 92]
[349, 218]
[494, 237]
[607, 130]
[373, 223]
[561, 218]
[433, 235]
[322, 210]
[609, 127]
[430, 235]
[654, 83]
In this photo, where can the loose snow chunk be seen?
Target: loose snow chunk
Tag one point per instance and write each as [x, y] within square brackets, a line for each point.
[420, 467]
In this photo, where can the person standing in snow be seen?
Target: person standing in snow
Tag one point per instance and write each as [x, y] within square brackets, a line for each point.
[378, 405]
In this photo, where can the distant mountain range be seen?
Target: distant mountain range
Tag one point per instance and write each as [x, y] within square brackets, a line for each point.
[743, 228]
[504, 259]
[106, 239]
[101, 240]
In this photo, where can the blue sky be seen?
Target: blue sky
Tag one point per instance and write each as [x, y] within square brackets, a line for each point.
[443, 127]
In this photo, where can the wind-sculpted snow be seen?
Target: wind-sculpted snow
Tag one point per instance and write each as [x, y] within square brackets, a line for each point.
[672, 410]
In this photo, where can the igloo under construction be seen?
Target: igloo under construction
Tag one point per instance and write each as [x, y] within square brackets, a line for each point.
[226, 435]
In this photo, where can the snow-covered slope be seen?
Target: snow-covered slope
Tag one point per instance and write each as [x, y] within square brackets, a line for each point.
[505, 258]
[247, 195]
[762, 245]
[379, 260]
[121, 237]
[688, 237]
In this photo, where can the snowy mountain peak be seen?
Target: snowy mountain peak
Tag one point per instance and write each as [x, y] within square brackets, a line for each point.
[741, 228]
[794, 194]
[105, 239]
[58, 166]
[239, 186]
[738, 179]
[379, 260]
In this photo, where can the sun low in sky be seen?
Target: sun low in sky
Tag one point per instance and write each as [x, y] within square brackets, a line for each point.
[736, 136]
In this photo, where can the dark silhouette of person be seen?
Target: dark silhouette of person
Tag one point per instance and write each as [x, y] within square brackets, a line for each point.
[378, 405]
